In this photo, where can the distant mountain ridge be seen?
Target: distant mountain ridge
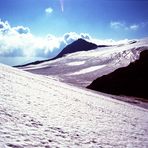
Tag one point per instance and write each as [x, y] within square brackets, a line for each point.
[131, 80]
[78, 45]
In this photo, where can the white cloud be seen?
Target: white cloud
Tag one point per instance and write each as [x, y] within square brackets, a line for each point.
[110, 41]
[134, 27]
[19, 41]
[48, 10]
[4, 27]
[72, 36]
[117, 25]
[22, 30]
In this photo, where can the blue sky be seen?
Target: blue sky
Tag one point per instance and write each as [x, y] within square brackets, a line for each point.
[90, 16]
[55, 19]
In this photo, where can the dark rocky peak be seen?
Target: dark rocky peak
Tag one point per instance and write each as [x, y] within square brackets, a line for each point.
[78, 45]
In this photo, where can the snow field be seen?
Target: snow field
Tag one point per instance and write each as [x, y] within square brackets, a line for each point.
[36, 111]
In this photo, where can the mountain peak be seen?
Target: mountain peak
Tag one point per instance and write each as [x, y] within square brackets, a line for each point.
[81, 40]
[78, 45]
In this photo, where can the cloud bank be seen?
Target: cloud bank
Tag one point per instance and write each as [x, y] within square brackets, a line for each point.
[18, 41]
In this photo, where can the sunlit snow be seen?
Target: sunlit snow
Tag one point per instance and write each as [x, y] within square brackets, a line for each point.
[81, 68]
[76, 63]
[36, 111]
[87, 70]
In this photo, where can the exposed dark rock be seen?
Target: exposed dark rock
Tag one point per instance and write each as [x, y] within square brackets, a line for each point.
[131, 80]
[79, 45]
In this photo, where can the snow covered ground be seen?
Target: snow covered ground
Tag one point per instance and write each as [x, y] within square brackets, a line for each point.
[38, 111]
[88, 70]
[81, 68]
[76, 63]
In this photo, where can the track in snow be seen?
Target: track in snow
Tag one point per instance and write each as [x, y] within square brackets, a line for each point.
[36, 111]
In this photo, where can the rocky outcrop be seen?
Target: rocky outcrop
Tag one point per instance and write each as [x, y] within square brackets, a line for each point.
[131, 80]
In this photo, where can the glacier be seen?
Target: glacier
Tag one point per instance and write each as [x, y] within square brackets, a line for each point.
[40, 111]
[81, 68]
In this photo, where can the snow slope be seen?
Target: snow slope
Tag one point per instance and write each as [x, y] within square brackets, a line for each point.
[38, 111]
[81, 68]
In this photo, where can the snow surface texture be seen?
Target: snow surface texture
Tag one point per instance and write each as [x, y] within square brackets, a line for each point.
[78, 68]
[38, 111]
